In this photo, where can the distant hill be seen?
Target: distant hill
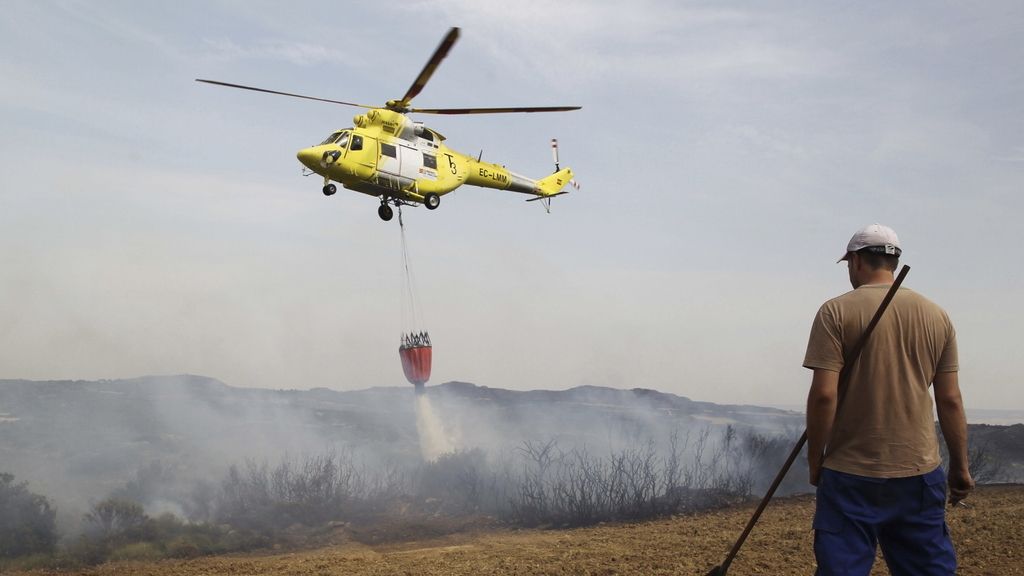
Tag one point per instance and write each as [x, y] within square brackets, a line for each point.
[94, 424]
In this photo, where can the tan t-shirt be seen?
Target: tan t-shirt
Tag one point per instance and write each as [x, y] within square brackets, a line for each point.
[886, 425]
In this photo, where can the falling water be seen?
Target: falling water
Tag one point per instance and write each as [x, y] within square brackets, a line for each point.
[434, 440]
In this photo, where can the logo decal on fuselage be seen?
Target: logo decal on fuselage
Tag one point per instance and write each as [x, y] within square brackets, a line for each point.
[496, 176]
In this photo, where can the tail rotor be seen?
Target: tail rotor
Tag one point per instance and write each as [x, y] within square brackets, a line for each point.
[554, 154]
[546, 201]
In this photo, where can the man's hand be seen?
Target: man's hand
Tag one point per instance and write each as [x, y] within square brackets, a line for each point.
[960, 485]
[949, 406]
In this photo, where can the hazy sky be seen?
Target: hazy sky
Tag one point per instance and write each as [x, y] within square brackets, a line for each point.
[151, 224]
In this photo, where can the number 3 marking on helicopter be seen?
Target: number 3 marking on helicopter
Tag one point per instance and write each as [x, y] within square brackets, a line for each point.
[451, 164]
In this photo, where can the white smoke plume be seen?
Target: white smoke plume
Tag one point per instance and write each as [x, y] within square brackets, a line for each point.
[435, 440]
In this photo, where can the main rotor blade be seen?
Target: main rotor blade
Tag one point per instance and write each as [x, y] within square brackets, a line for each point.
[282, 93]
[428, 70]
[493, 110]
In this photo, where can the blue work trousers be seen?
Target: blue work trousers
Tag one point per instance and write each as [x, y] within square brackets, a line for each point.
[905, 516]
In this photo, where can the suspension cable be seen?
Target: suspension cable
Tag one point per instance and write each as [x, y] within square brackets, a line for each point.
[409, 304]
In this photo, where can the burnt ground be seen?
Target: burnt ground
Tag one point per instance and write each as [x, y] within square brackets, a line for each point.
[989, 537]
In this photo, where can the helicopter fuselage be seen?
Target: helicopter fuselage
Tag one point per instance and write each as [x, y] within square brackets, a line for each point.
[387, 155]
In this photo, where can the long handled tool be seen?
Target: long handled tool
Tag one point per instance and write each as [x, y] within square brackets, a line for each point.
[844, 375]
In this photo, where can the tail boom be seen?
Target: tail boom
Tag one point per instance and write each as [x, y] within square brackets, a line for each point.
[488, 175]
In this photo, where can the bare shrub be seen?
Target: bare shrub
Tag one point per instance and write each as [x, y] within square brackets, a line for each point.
[530, 503]
[457, 480]
[540, 484]
[697, 473]
[985, 466]
[116, 519]
[765, 455]
[309, 492]
[576, 487]
[983, 462]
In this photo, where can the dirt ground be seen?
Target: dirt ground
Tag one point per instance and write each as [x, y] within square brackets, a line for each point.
[989, 537]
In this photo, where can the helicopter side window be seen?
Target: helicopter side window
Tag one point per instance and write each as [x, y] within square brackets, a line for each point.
[429, 161]
[342, 140]
[388, 150]
[357, 143]
[330, 138]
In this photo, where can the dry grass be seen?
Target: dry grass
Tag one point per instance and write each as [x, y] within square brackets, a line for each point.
[989, 538]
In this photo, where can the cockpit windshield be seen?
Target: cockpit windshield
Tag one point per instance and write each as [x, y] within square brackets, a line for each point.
[331, 138]
[340, 138]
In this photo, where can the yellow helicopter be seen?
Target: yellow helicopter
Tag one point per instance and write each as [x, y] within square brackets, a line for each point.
[402, 162]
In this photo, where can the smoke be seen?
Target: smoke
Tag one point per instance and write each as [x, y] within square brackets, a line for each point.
[435, 440]
[168, 442]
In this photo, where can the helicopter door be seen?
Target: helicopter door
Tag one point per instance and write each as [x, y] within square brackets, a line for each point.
[362, 150]
[389, 161]
[412, 161]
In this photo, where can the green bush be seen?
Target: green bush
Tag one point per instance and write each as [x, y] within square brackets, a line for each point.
[190, 546]
[86, 551]
[120, 530]
[26, 563]
[137, 551]
[27, 521]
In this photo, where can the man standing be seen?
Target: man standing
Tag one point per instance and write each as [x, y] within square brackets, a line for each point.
[876, 460]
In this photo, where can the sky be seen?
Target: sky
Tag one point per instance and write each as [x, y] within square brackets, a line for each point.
[727, 151]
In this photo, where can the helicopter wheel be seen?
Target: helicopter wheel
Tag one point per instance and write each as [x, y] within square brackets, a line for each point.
[385, 212]
[330, 189]
[432, 201]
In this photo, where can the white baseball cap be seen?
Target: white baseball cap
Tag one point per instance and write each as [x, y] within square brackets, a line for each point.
[877, 238]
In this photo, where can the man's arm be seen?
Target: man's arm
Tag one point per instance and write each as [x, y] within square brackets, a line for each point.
[821, 413]
[950, 408]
